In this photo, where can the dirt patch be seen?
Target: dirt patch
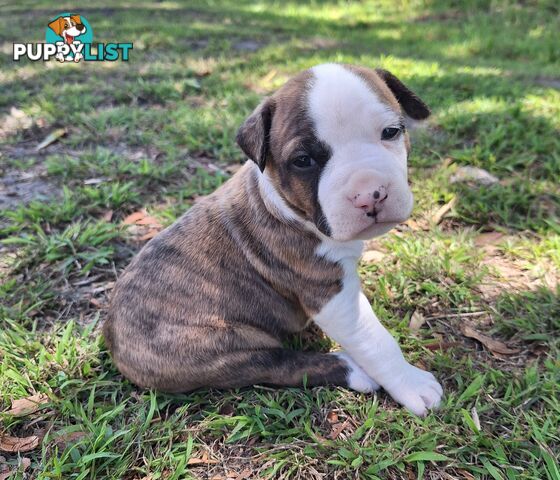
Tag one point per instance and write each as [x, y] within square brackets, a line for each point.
[548, 82]
[20, 188]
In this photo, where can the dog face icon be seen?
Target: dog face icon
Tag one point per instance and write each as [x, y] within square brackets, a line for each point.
[68, 27]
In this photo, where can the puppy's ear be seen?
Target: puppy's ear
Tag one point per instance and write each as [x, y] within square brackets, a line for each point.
[254, 135]
[57, 25]
[76, 18]
[411, 103]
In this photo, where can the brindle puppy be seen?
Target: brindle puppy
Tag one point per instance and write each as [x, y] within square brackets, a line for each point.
[208, 301]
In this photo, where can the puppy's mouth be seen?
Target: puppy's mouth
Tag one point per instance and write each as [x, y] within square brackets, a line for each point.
[69, 38]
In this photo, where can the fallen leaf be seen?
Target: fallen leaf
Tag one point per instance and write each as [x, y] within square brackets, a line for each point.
[416, 321]
[443, 211]
[142, 226]
[332, 417]
[136, 218]
[203, 460]
[107, 216]
[95, 181]
[414, 225]
[337, 429]
[26, 406]
[25, 463]
[489, 238]
[69, 437]
[18, 444]
[475, 175]
[51, 138]
[475, 417]
[495, 346]
[373, 256]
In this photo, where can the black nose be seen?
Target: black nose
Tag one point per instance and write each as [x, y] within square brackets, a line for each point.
[80, 26]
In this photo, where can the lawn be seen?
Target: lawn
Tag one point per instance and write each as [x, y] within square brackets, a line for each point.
[469, 285]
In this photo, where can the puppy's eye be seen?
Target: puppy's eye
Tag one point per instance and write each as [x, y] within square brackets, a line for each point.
[391, 133]
[304, 162]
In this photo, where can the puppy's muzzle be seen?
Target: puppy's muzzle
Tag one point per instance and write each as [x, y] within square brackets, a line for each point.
[371, 201]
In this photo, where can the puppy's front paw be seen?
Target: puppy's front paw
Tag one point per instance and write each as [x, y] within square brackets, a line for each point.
[416, 389]
[356, 377]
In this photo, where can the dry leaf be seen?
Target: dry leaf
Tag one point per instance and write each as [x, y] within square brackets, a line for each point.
[26, 406]
[204, 460]
[489, 238]
[51, 138]
[332, 417]
[107, 216]
[414, 225]
[95, 181]
[474, 175]
[70, 437]
[416, 321]
[475, 417]
[443, 211]
[495, 346]
[25, 463]
[337, 429]
[373, 256]
[18, 444]
[142, 226]
[140, 218]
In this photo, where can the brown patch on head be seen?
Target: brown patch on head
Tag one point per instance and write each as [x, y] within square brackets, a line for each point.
[391, 91]
[280, 132]
[377, 85]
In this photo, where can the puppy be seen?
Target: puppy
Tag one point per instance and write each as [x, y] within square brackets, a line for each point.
[68, 28]
[207, 302]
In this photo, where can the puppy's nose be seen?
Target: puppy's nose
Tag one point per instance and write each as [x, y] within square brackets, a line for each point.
[372, 201]
[80, 26]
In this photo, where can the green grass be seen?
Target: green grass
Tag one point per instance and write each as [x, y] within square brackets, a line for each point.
[158, 131]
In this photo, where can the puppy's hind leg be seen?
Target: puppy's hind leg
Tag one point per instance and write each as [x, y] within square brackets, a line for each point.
[288, 368]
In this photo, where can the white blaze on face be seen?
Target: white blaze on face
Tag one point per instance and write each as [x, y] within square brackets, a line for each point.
[350, 117]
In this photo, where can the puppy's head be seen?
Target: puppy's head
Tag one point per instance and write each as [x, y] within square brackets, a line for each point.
[332, 143]
[68, 27]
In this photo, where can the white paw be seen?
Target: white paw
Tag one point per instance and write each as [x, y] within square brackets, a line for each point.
[416, 389]
[357, 379]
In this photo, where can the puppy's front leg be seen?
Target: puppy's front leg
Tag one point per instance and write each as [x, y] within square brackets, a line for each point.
[349, 320]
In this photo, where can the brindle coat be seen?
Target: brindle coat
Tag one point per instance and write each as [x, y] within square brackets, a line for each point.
[208, 301]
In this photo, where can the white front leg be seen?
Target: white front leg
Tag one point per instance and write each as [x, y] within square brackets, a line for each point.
[349, 320]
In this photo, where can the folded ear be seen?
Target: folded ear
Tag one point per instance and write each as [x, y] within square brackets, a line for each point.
[77, 19]
[411, 103]
[254, 135]
[57, 25]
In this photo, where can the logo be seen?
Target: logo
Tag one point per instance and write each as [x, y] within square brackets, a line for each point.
[69, 38]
